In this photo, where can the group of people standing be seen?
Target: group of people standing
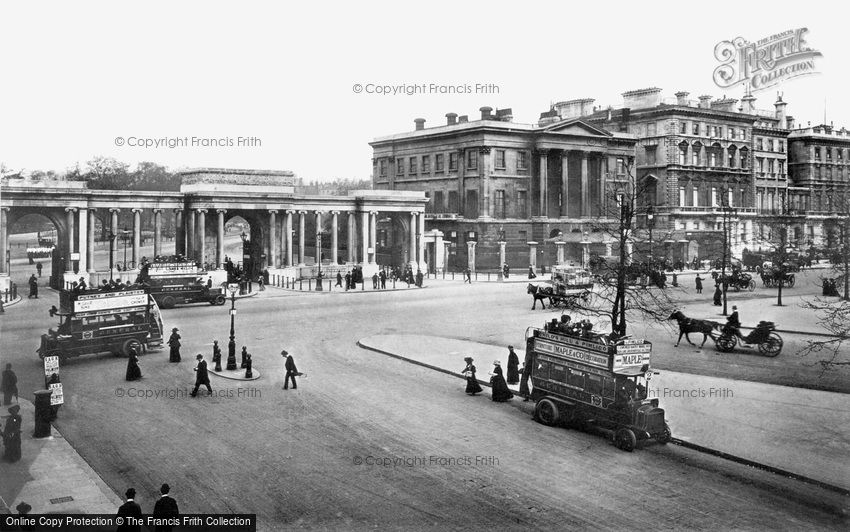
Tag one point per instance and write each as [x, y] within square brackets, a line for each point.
[499, 385]
[164, 509]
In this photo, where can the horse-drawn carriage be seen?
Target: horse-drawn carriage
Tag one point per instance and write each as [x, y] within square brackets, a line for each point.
[726, 337]
[771, 277]
[568, 284]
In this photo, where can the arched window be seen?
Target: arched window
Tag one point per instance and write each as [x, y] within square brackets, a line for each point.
[695, 153]
[744, 155]
[731, 159]
[683, 153]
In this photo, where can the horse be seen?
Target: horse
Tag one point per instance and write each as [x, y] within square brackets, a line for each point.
[540, 293]
[689, 325]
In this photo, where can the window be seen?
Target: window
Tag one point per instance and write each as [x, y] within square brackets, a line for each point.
[683, 128]
[651, 152]
[500, 204]
[696, 226]
[429, 207]
[695, 129]
[731, 157]
[521, 204]
[683, 154]
[770, 166]
[828, 154]
[817, 152]
[760, 144]
[681, 196]
[426, 164]
[713, 158]
[621, 166]
[453, 205]
[744, 158]
[840, 153]
[439, 162]
[576, 377]
[695, 158]
[594, 384]
[439, 206]
[781, 146]
[521, 161]
[500, 159]
[471, 204]
[413, 169]
[714, 197]
[399, 166]
[731, 133]
[743, 134]
[557, 373]
[472, 159]
[382, 168]
[769, 144]
[695, 196]
[453, 162]
[760, 164]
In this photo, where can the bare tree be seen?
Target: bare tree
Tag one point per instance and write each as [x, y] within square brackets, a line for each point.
[618, 292]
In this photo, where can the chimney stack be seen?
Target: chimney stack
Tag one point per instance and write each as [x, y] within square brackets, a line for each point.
[420, 123]
[682, 98]
[780, 112]
[485, 113]
[504, 115]
[790, 120]
[705, 101]
[462, 119]
[748, 104]
[451, 119]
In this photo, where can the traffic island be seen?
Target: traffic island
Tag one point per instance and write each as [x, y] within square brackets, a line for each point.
[237, 374]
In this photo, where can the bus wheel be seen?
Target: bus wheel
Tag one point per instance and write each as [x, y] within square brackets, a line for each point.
[131, 344]
[547, 412]
[625, 440]
[665, 436]
[168, 302]
[219, 300]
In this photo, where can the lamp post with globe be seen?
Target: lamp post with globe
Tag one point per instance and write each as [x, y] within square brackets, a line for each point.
[231, 346]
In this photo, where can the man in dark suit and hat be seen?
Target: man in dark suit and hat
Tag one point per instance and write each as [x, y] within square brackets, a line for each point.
[9, 385]
[12, 435]
[165, 508]
[291, 370]
[174, 343]
[202, 376]
[130, 509]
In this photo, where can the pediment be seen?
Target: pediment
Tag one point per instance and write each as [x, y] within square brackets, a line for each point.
[576, 126]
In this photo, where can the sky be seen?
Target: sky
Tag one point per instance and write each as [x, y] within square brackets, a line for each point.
[86, 79]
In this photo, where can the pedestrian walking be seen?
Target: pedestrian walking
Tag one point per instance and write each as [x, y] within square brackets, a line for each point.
[338, 279]
[472, 386]
[174, 344]
[291, 370]
[531, 274]
[718, 295]
[38, 268]
[383, 277]
[513, 366]
[242, 358]
[468, 276]
[501, 392]
[526, 374]
[165, 508]
[132, 510]
[202, 377]
[12, 435]
[698, 283]
[419, 278]
[216, 355]
[261, 282]
[33, 282]
[134, 372]
[375, 281]
[347, 281]
[9, 385]
[506, 271]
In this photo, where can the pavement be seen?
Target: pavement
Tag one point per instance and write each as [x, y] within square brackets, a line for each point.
[765, 423]
[52, 477]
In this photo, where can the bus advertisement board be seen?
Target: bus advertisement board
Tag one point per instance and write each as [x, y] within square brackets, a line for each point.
[110, 300]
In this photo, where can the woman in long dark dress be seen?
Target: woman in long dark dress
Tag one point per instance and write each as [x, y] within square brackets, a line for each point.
[472, 386]
[513, 366]
[501, 392]
[718, 295]
[134, 372]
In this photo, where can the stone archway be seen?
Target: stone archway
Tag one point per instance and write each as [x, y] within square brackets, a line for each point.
[57, 260]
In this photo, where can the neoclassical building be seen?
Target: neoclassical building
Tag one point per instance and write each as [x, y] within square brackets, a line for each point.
[503, 192]
[290, 232]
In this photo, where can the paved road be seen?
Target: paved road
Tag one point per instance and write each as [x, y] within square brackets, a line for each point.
[292, 457]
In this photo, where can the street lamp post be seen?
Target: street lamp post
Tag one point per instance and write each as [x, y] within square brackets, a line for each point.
[650, 223]
[111, 253]
[231, 346]
[728, 212]
[125, 236]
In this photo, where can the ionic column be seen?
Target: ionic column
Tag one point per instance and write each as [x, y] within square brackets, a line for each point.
[219, 239]
[113, 229]
[364, 237]
[352, 237]
[179, 233]
[544, 169]
[412, 244]
[4, 239]
[502, 260]
[157, 233]
[190, 234]
[470, 255]
[335, 237]
[532, 254]
[565, 170]
[90, 242]
[83, 240]
[301, 247]
[421, 257]
[273, 238]
[373, 236]
[446, 254]
[137, 236]
[69, 218]
[318, 238]
[202, 233]
[585, 191]
[287, 229]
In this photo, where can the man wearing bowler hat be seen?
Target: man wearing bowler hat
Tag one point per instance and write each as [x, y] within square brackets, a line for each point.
[201, 377]
[291, 370]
